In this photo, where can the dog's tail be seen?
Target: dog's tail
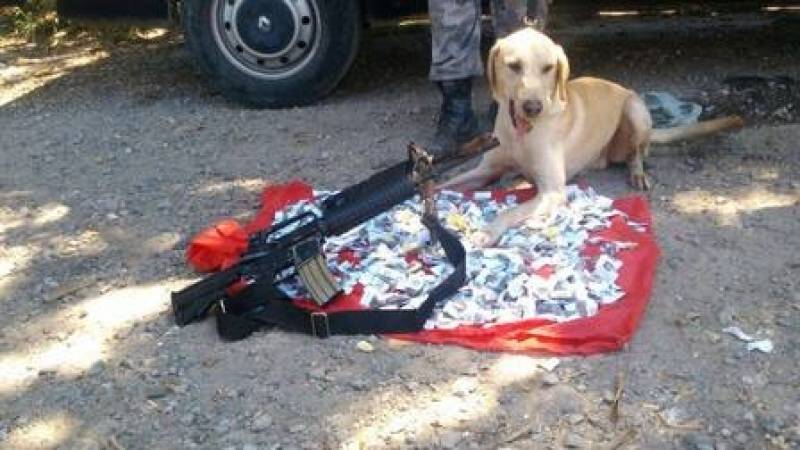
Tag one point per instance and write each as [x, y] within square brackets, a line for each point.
[667, 135]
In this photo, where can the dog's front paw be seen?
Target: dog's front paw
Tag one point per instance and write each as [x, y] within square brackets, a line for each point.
[640, 181]
[538, 221]
[484, 238]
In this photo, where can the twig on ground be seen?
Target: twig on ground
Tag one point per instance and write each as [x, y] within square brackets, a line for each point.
[520, 433]
[113, 444]
[616, 405]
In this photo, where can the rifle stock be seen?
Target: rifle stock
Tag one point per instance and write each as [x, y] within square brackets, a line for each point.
[193, 302]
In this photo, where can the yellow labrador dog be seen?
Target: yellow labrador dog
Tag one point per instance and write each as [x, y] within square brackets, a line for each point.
[550, 128]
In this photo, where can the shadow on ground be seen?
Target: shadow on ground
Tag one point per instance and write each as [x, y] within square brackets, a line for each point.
[109, 168]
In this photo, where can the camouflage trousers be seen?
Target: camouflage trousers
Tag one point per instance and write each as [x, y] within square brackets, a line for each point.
[456, 32]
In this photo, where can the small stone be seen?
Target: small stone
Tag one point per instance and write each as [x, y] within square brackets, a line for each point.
[297, 428]
[261, 422]
[741, 438]
[471, 371]
[550, 379]
[317, 374]
[730, 361]
[574, 419]
[222, 427]
[725, 433]
[97, 369]
[464, 386]
[359, 385]
[573, 440]
[412, 386]
[697, 441]
[609, 396]
[450, 439]
[771, 425]
[365, 347]
[794, 434]
[725, 316]
[156, 392]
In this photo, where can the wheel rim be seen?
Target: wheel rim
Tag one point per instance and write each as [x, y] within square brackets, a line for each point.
[269, 39]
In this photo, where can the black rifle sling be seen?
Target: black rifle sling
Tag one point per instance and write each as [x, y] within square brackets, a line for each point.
[261, 304]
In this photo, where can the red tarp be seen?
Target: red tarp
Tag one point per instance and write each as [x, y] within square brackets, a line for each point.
[613, 326]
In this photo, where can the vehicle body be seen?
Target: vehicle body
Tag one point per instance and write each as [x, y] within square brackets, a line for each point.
[264, 53]
[280, 53]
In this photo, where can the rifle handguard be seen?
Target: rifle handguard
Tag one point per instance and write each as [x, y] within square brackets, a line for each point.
[363, 201]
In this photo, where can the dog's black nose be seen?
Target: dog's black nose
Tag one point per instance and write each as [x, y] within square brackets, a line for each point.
[532, 107]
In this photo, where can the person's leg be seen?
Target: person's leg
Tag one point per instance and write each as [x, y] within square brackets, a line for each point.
[508, 16]
[455, 60]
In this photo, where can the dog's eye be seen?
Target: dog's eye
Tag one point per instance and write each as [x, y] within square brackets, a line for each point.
[546, 69]
[515, 66]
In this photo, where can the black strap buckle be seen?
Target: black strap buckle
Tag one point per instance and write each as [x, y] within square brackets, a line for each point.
[320, 327]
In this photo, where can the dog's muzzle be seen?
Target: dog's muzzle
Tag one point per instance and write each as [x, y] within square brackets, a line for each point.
[532, 108]
[520, 123]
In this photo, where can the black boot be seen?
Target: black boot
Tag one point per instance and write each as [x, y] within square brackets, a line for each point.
[457, 122]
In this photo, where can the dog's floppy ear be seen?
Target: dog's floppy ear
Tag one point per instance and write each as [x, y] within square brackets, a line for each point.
[562, 75]
[491, 71]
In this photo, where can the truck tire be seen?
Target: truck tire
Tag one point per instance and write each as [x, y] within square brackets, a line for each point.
[275, 53]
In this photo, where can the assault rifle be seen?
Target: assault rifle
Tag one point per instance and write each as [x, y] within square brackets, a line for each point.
[295, 245]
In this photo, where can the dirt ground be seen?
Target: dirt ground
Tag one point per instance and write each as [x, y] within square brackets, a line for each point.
[113, 154]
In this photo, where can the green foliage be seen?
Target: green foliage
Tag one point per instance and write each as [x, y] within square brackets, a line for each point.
[35, 21]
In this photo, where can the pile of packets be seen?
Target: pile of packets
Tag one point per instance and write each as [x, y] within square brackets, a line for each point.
[536, 270]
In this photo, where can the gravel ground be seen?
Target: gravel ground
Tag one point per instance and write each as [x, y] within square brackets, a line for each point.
[114, 154]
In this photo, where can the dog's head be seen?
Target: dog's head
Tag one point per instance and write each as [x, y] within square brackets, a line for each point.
[528, 75]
